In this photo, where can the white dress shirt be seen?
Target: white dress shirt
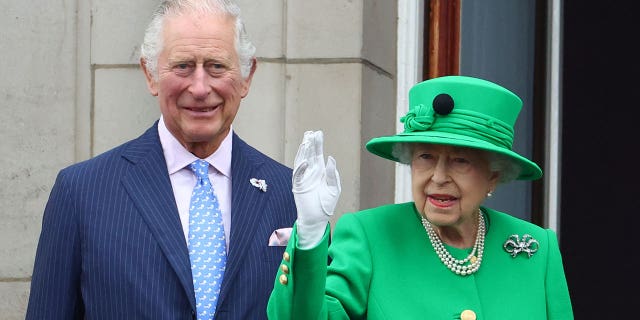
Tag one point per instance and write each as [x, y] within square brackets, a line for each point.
[183, 180]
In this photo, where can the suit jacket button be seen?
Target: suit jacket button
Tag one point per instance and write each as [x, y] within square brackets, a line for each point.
[468, 315]
[286, 256]
[283, 279]
[284, 268]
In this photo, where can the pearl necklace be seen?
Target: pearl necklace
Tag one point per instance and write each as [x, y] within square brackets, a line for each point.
[459, 267]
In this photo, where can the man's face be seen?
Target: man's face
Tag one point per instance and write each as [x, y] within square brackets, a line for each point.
[199, 84]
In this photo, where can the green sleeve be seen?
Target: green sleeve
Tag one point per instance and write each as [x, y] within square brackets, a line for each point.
[314, 291]
[298, 290]
[558, 300]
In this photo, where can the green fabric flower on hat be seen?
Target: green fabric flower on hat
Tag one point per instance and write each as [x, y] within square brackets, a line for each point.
[419, 118]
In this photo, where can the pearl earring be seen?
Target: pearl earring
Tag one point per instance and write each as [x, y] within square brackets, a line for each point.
[489, 194]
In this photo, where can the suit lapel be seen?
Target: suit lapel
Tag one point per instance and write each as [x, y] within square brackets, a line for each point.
[148, 184]
[245, 199]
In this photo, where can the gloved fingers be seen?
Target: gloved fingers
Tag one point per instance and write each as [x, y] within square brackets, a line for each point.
[318, 141]
[329, 198]
[303, 149]
[310, 150]
[307, 172]
[305, 178]
[300, 163]
[299, 174]
[332, 176]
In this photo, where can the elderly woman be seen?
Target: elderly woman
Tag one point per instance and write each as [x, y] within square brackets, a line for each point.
[442, 256]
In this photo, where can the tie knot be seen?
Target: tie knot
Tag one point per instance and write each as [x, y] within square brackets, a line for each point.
[200, 168]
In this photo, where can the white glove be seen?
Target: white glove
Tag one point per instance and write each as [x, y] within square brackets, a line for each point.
[316, 189]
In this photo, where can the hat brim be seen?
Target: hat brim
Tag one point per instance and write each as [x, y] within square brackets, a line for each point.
[383, 147]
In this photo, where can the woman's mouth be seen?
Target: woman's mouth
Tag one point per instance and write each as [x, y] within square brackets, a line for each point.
[442, 201]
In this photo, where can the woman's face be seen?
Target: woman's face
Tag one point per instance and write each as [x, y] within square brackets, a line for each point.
[449, 183]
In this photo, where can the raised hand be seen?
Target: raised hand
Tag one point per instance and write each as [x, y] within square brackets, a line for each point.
[316, 189]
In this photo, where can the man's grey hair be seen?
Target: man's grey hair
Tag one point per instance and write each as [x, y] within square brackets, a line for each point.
[507, 168]
[152, 43]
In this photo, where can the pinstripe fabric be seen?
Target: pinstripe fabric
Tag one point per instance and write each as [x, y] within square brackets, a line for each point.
[112, 246]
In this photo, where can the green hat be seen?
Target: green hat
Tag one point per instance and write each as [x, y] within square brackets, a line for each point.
[460, 111]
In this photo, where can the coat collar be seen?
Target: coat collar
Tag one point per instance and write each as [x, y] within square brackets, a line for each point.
[147, 183]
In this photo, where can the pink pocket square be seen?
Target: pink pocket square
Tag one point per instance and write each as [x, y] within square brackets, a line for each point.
[280, 237]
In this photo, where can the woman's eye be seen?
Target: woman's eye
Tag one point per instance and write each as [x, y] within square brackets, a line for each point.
[423, 161]
[461, 165]
[461, 160]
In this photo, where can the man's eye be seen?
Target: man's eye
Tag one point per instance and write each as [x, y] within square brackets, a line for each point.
[182, 69]
[183, 66]
[215, 67]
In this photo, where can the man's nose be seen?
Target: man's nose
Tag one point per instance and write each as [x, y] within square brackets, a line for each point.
[199, 87]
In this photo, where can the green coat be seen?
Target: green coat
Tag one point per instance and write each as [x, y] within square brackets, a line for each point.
[384, 267]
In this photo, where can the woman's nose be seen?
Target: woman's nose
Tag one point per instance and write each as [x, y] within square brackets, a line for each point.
[441, 172]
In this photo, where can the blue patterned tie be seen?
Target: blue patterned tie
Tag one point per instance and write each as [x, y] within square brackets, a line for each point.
[207, 247]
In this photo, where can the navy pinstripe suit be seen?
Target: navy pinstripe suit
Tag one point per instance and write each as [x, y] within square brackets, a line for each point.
[112, 246]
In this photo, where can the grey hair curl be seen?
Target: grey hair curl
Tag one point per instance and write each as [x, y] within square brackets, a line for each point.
[152, 43]
[507, 168]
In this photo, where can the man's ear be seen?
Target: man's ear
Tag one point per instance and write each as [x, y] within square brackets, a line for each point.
[247, 81]
[152, 84]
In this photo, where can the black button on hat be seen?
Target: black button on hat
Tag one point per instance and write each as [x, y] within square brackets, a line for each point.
[443, 104]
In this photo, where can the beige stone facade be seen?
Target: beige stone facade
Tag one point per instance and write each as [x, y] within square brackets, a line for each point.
[72, 89]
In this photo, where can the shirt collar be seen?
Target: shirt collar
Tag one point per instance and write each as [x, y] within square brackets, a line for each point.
[178, 157]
